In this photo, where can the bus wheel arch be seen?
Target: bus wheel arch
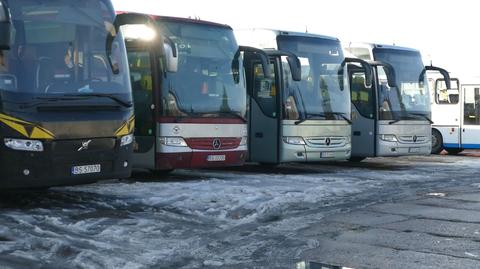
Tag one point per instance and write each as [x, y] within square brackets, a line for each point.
[437, 141]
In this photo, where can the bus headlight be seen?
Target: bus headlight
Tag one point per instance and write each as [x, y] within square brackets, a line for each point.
[173, 141]
[23, 144]
[244, 141]
[126, 140]
[294, 140]
[389, 138]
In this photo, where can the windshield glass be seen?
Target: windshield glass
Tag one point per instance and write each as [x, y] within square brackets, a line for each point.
[411, 98]
[321, 94]
[204, 84]
[58, 48]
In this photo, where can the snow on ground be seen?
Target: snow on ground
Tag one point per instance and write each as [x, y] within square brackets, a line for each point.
[214, 218]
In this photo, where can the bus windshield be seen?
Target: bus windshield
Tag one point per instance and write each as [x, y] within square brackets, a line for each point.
[321, 94]
[59, 48]
[204, 85]
[411, 99]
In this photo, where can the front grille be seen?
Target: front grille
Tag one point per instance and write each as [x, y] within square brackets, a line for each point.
[207, 143]
[326, 141]
[413, 139]
[83, 145]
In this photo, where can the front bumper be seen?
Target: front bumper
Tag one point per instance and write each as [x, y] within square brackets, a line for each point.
[199, 159]
[393, 149]
[20, 169]
[305, 153]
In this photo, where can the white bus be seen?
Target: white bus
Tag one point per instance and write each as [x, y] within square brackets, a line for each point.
[392, 118]
[456, 116]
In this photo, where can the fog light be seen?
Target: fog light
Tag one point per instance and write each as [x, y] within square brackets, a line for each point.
[26, 172]
[125, 164]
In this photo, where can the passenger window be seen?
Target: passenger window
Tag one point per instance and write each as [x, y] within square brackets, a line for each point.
[362, 97]
[471, 106]
[265, 91]
[444, 96]
[141, 79]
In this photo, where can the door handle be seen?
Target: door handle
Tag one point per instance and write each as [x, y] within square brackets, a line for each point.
[259, 135]
[357, 133]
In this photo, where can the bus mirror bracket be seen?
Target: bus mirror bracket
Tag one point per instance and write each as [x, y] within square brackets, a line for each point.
[366, 67]
[442, 71]
[263, 57]
[171, 55]
[5, 23]
[123, 19]
[293, 63]
[391, 76]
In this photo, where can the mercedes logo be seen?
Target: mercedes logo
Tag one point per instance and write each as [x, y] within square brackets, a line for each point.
[216, 143]
[415, 138]
[85, 145]
[328, 141]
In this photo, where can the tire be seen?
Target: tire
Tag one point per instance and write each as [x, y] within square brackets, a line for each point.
[437, 142]
[356, 159]
[453, 151]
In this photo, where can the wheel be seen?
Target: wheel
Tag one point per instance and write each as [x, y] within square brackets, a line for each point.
[453, 151]
[437, 142]
[356, 159]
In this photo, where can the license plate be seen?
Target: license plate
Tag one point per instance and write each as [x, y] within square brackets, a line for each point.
[327, 154]
[86, 169]
[414, 150]
[216, 158]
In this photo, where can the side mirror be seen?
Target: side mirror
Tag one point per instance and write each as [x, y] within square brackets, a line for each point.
[120, 20]
[391, 76]
[171, 55]
[366, 67]
[442, 71]
[293, 63]
[258, 53]
[5, 23]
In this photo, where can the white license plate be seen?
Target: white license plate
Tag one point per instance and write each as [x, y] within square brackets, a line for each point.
[327, 154]
[86, 169]
[216, 158]
[414, 150]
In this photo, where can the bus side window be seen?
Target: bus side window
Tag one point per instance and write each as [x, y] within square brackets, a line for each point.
[362, 97]
[444, 96]
[472, 106]
[264, 91]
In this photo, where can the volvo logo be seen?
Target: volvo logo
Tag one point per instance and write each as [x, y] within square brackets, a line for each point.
[216, 143]
[328, 141]
[85, 145]
[415, 138]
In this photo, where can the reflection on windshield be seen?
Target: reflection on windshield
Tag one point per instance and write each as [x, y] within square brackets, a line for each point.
[412, 96]
[204, 84]
[319, 94]
[59, 48]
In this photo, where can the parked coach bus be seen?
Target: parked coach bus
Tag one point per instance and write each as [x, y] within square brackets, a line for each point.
[456, 116]
[190, 96]
[393, 118]
[66, 114]
[302, 113]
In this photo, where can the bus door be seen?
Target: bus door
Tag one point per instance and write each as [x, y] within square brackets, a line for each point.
[446, 112]
[363, 114]
[263, 114]
[471, 117]
[143, 86]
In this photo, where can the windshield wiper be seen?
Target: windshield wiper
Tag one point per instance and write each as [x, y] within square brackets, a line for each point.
[220, 113]
[110, 96]
[324, 115]
[410, 117]
[343, 116]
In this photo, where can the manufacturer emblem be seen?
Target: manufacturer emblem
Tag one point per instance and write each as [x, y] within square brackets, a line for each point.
[216, 143]
[328, 141]
[85, 145]
[176, 130]
[415, 138]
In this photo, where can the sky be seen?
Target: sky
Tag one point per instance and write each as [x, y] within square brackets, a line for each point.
[443, 30]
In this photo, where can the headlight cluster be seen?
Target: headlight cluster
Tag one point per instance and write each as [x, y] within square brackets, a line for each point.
[24, 144]
[294, 140]
[244, 141]
[126, 140]
[173, 141]
[389, 138]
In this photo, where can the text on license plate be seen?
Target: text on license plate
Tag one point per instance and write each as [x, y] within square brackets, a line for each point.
[216, 158]
[86, 169]
[414, 150]
[327, 154]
